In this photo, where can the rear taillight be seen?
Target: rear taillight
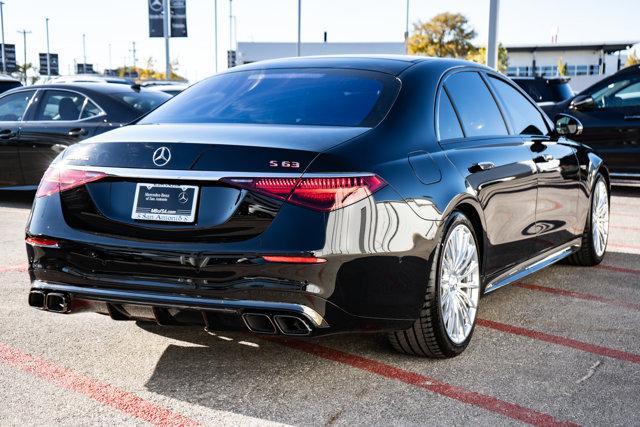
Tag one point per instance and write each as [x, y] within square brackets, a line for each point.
[56, 180]
[318, 193]
[41, 242]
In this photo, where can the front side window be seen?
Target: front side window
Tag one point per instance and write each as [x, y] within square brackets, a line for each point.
[448, 124]
[13, 107]
[59, 105]
[621, 93]
[525, 118]
[321, 97]
[475, 105]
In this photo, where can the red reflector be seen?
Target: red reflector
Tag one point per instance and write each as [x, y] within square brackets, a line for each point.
[42, 242]
[295, 259]
[323, 194]
[56, 180]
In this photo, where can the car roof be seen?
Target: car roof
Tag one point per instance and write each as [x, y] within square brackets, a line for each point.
[89, 88]
[390, 64]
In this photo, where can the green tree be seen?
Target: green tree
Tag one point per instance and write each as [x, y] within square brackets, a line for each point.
[479, 55]
[632, 59]
[446, 35]
[23, 70]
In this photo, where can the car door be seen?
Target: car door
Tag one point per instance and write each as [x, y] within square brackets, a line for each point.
[612, 124]
[60, 118]
[556, 164]
[498, 167]
[12, 109]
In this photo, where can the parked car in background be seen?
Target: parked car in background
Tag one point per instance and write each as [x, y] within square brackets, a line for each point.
[39, 122]
[309, 196]
[546, 91]
[610, 113]
[89, 78]
[8, 82]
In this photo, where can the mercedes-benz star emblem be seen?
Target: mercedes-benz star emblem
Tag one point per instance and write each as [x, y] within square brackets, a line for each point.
[161, 156]
[155, 5]
[183, 198]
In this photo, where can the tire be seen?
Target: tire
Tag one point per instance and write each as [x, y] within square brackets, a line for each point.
[429, 336]
[590, 253]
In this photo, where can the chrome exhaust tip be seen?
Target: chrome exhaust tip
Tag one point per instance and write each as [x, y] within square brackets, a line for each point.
[259, 323]
[37, 299]
[292, 325]
[57, 302]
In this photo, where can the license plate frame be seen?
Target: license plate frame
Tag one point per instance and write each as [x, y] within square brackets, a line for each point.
[165, 202]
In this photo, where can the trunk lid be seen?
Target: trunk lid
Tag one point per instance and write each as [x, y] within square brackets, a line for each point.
[129, 156]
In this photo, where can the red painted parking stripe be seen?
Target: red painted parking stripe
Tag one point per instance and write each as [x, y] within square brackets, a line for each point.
[577, 295]
[489, 403]
[99, 391]
[618, 269]
[566, 342]
[12, 268]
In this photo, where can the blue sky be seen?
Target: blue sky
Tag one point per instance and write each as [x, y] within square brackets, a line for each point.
[118, 22]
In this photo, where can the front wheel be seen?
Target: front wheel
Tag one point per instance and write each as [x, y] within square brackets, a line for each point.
[448, 316]
[596, 231]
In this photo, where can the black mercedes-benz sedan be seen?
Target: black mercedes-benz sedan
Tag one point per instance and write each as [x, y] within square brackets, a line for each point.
[38, 122]
[317, 195]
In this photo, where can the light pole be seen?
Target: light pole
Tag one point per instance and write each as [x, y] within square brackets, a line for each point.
[215, 31]
[406, 31]
[24, 38]
[48, 54]
[230, 24]
[299, 25]
[492, 42]
[166, 22]
[4, 58]
[84, 54]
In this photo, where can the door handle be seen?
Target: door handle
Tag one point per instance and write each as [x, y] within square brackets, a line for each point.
[543, 158]
[77, 132]
[481, 166]
[7, 134]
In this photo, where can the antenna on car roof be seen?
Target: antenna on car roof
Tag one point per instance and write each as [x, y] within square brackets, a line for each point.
[136, 87]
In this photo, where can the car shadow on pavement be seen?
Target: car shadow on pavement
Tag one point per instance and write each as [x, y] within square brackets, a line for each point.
[249, 375]
[16, 199]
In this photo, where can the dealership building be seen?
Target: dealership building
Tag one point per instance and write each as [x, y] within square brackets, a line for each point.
[586, 62]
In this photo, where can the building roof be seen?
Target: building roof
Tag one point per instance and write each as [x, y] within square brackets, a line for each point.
[606, 47]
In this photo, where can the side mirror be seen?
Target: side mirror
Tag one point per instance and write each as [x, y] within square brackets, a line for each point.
[567, 125]
[583, 102]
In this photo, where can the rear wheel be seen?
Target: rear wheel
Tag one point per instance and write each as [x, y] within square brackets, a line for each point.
[596, 231]
[448, 316]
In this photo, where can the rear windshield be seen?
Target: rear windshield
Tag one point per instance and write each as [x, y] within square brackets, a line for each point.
[323, 97]
[546, 91]
[142, 102]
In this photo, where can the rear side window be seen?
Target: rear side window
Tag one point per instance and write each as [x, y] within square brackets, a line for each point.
[59, 105]
[476, 107]
[525, 118]
[305, 96]
[448, 124]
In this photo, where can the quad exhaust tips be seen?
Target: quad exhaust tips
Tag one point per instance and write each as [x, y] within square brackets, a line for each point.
[52, 301]
[285, 324]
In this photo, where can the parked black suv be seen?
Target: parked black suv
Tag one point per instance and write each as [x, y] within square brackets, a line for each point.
[610, 113]
[546, 91]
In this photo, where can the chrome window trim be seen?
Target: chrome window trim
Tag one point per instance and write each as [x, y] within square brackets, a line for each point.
[202, 175]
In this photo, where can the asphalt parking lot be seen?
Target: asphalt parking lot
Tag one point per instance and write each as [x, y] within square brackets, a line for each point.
[561, 347]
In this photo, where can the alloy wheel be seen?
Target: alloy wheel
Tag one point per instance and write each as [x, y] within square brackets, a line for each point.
[600, 218]
[459, 283]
